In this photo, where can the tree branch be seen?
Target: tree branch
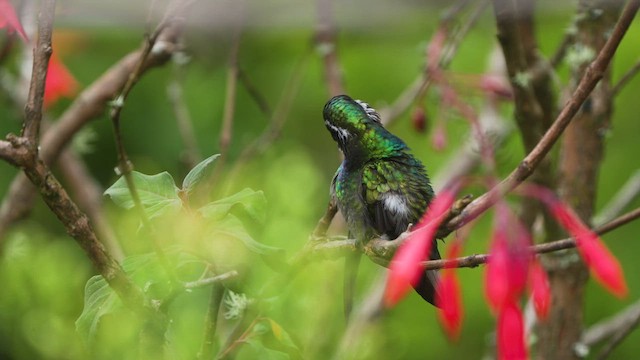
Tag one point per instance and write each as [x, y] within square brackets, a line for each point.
[593, 74]
[41, 55]
[88, 105]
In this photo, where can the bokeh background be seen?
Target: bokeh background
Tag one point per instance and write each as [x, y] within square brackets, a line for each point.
[381, 47]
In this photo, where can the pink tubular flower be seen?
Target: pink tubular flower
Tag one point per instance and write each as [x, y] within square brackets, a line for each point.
[59, 83]
[9, 19]
[448, 296]
[439, 137]
[508, 267]
[604, 266]
[510, 333]
[540, 290]
[406, 268]
[449, 301]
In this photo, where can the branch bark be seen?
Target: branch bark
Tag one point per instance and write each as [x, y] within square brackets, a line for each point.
[592, 75]
[90, 104]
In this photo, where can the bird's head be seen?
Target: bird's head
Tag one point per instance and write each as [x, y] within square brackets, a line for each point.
[357, 129]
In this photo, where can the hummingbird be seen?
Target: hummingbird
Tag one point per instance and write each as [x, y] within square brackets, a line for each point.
[380, 187]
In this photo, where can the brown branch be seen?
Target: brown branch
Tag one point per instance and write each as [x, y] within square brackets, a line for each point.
[90, 104]
[41, 55]
[88, 194]
[381, 250]
[593, 74]
[25, 155]
[624, 80]
[7, 152]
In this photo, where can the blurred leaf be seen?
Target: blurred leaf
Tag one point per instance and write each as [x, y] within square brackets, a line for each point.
[145, 270]
[265, 353]
[268, 337]
[231, 226]
[198, 172]
[158, 193]
[253, 203]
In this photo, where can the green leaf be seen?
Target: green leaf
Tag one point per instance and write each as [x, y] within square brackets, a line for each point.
[145, 271]
[158, 193]
[232, 226]
[197, 173]
[253, 203]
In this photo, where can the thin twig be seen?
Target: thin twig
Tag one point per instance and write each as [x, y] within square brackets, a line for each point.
[280, 115]
[422, 82]
[210, 280]
[326, 46]
[625, 196]
[125, 166]
[624, 80]
[593, 74]
[619, 336]
[255, 94]
[609, 327]
[192, 155]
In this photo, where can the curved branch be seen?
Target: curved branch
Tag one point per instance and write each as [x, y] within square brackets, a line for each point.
[593, 74]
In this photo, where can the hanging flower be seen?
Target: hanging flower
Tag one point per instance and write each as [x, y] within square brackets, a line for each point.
[540, 290]
[60, 83]
[9, 19]
[448, 296]
[510, 333]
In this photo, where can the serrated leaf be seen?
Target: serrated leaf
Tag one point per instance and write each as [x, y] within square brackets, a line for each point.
[158, 193]
[198, 173]
[253, 202]
[144, 270]
[233, 227]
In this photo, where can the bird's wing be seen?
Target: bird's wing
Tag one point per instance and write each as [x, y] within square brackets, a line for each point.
[392, 194]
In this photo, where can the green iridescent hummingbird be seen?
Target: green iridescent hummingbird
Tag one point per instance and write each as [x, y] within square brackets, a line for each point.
[380, 187]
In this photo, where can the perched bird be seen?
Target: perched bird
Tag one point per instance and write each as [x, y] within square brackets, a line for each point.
[380, 187]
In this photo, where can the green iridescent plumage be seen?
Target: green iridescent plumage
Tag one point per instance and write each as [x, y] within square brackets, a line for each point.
[380, 187]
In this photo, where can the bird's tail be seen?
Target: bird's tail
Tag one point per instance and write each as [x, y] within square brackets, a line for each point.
[430, 279]
[428, 285]
[351, 264]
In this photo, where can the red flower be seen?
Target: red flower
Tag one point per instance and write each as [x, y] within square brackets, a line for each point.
[9, 19]
[603, 265]
[448, 296]
[540, 290]
[508, 267]
[439, 137]
[60, 82]
[510, 333]
[406, 268]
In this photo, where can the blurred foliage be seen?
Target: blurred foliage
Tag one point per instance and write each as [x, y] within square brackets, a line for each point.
[43, 272]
